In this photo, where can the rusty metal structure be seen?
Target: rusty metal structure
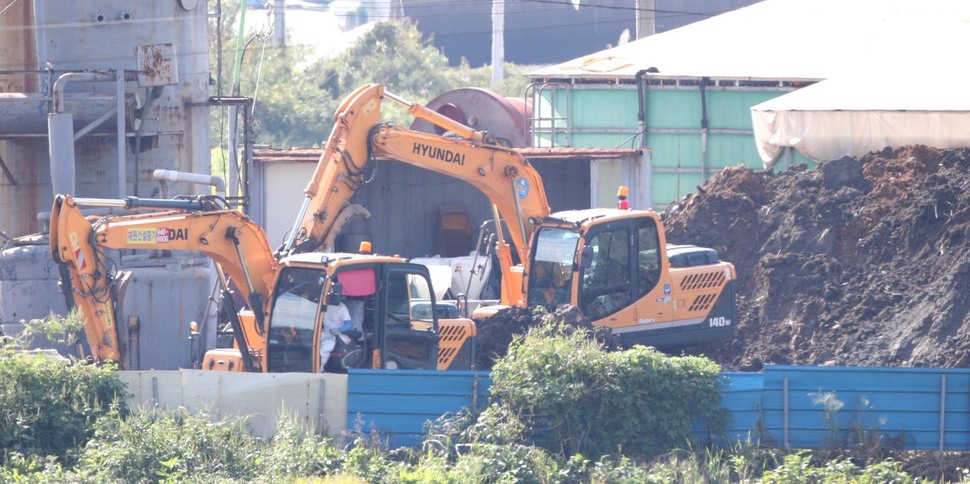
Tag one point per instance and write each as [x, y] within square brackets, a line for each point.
[95, 96]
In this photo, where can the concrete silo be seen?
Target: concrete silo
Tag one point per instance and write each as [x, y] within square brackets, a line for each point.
[95, 95]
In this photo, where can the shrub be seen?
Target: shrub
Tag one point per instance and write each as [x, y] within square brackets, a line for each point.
[608, 470]
[151, 446]
[574, 397]
[797, 468]
[487, 462]
[297, 451]
[49, 406]
[35, 469]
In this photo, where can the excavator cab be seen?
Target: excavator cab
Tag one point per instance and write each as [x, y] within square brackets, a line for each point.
[615, 266]
[395, 326]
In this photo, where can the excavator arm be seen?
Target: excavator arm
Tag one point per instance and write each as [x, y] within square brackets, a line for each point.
[360, 136]
[235, 243]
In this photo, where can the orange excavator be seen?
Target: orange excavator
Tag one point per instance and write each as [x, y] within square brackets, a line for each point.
[400, 324]
[612, 263]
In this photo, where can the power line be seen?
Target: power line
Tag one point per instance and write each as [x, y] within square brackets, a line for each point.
[630, 9]
[485, 30]
[448, 4]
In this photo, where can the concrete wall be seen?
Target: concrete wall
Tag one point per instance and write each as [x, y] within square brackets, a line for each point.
[317, 400]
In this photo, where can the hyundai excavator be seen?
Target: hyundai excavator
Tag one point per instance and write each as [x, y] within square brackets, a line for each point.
[614, 264]
[401, 323]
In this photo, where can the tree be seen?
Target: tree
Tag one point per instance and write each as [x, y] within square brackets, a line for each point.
[295, 98]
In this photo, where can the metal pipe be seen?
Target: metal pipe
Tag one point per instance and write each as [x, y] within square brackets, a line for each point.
[942, 411]
[498, 226]
[422, 112]
[198, 178]
[135, 202]
[60, 132]
[703, 90]
[247, 163]
[40, 42]
[62, 81]
[100, 202]
[232, 146]
[120, 129]
[94, 124]
[291, 239]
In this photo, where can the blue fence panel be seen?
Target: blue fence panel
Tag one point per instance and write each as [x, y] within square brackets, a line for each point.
[800, 407]
[823, 405]
[741, 395]
[398, 403]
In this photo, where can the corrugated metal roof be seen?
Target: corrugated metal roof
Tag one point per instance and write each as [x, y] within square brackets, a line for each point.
[303, 155]
[789, 39]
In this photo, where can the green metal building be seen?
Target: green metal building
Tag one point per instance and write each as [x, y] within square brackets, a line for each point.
[684, 97]
[687, 130]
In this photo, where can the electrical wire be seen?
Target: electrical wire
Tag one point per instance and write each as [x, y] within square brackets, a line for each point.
[447, 12]
[8, 7]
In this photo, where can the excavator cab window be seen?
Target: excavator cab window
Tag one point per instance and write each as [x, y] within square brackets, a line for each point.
[648, 256]
[551, 274]
[409, 335]
[296, 304]
[606, 280]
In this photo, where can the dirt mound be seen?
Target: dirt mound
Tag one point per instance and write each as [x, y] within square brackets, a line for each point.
[496, 332]
[859, 262]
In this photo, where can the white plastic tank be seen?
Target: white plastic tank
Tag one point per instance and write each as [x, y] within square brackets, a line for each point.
[462, 275]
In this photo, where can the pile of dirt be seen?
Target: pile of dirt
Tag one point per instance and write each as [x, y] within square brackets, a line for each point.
[496, 332]
[862, 261]
[858, 262]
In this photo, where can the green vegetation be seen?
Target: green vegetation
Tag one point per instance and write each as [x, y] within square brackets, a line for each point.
[296, 96]
[577, 399]
[50, 408]
[562, 410]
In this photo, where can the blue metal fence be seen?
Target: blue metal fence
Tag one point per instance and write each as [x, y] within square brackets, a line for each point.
[398, 403]
[784, 406]
[918, 408]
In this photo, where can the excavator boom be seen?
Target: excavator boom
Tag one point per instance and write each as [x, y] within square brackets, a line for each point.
[234, 242]
[360, 136]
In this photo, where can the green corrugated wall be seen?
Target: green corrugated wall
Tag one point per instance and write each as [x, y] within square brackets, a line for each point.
[606, 116]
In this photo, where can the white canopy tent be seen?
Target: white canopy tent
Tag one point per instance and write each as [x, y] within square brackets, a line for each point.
[855, 114]
[844, 47]
[788, 39]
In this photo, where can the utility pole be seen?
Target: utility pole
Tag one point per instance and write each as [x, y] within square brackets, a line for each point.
[498, 41]
[279, 23]
[646, 18]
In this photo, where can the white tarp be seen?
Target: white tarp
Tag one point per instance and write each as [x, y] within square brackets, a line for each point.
[849, 45]
[789, 39]
[854, 115]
